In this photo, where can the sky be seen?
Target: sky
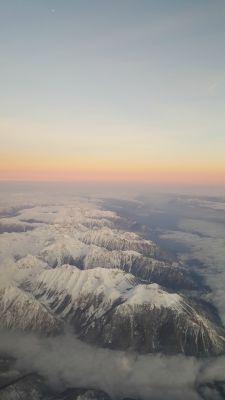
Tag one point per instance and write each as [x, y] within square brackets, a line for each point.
[122, 90]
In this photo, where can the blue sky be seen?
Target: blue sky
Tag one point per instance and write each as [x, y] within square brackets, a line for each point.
[137, 71]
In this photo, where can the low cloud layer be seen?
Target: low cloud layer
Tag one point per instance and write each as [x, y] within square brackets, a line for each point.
[67, 361]
[205, 242]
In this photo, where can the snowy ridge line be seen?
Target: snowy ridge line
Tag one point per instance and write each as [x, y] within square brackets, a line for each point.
[101, 302]
[77, 267]
[20, 310]
[118, 240]
[114, 283]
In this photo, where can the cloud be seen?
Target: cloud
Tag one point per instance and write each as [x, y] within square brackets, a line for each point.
[204, 240]
[8, 273]
[66, 361]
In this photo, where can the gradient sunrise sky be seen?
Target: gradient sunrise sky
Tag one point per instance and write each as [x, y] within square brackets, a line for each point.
[117, 90]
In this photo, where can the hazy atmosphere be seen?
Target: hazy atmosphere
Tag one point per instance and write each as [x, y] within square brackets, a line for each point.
[112, 200]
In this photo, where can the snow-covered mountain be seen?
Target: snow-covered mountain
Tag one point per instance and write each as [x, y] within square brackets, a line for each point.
[118, 240]
[74, 265]
[70, 250]
[115, 309]
[171, 275]
[19, 310]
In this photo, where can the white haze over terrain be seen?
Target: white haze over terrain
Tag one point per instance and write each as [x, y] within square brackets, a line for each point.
[68, 361]
[205, 241]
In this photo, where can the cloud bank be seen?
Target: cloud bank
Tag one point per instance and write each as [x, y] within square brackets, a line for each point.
[66, 362]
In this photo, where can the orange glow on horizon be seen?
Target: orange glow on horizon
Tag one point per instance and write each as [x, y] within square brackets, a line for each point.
[25, 167]
[41, 169]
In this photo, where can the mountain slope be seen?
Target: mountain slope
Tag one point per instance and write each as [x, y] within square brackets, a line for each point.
[113, 299]
[20, 310]
[170, 275]
[113, 239]
[114, 309]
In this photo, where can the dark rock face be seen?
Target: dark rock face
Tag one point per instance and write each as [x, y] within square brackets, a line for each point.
[26, 387]
[120, 241]
[34, 387]
[151, 331]
[167, 276]
[20, 310]
[83, 394]
[16, 385]
[7, 371]
[104, 293]
[212, 390]
[9, 228]
[144, 318]
[103, 313]
[113, 309]
[145, 268]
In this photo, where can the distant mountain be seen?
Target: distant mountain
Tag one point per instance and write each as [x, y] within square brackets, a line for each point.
[119, 240]
[88, 255]
[113, 287]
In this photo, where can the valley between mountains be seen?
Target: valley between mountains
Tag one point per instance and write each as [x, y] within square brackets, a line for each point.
[73, 267]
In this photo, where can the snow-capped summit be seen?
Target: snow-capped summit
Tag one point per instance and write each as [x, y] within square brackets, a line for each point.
[146, 268]
[114, 309]
[113, 239]
[30, 262]
[76, 266]
[64, 250]
[19, 310]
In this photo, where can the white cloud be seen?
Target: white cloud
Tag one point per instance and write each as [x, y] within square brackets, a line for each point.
[206, 242]
[68, 361]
